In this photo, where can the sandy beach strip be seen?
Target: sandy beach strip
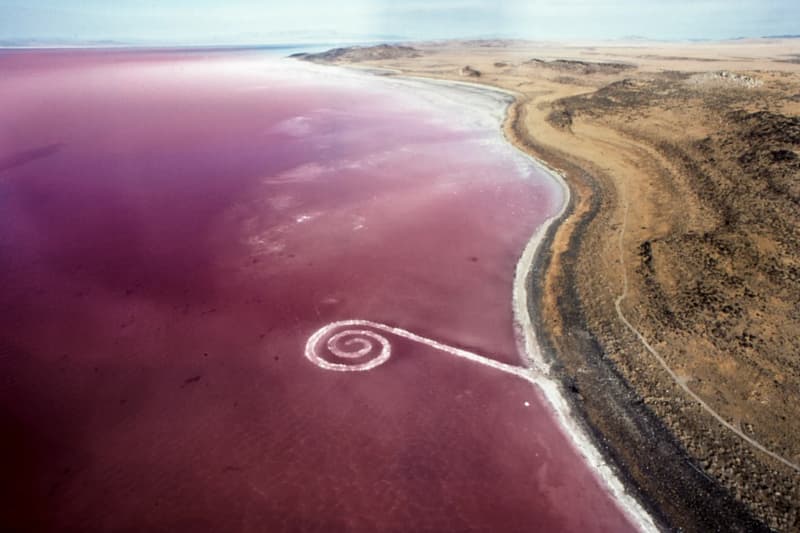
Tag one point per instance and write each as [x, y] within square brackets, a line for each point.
[495, 103]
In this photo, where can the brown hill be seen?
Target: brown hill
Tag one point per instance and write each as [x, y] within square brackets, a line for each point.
[354, 54]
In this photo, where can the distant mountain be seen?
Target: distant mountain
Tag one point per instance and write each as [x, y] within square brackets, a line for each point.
[288, 38]
[354, 54]
[318, 37]
[59, 42]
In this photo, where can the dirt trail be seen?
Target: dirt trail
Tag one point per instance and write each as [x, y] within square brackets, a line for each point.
[681, 382]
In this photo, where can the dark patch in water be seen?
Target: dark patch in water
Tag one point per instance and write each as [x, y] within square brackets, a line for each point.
[26, 156]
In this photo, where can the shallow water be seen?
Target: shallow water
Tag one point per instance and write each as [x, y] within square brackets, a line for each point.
[174, 227]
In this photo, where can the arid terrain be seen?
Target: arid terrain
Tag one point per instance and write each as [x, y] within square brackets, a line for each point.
[669, 296]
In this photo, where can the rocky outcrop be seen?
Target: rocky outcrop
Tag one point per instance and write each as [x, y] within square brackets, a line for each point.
[580, 67]
[470, 72]
[355, 54]
[725, 78]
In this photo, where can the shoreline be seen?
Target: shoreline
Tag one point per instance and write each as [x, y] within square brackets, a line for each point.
[661, 133]
[673, 473]
[532, 258]
[653, 496]
[586, 441]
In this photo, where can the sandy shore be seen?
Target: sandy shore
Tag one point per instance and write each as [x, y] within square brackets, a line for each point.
[649, 137]
[498, 104]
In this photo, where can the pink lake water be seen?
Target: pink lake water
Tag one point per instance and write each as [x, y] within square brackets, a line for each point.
[173, 229]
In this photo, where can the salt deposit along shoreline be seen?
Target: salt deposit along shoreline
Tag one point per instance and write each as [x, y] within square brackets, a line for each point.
[496, 103]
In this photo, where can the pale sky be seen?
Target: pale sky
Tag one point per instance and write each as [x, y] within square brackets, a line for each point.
[265, 21]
